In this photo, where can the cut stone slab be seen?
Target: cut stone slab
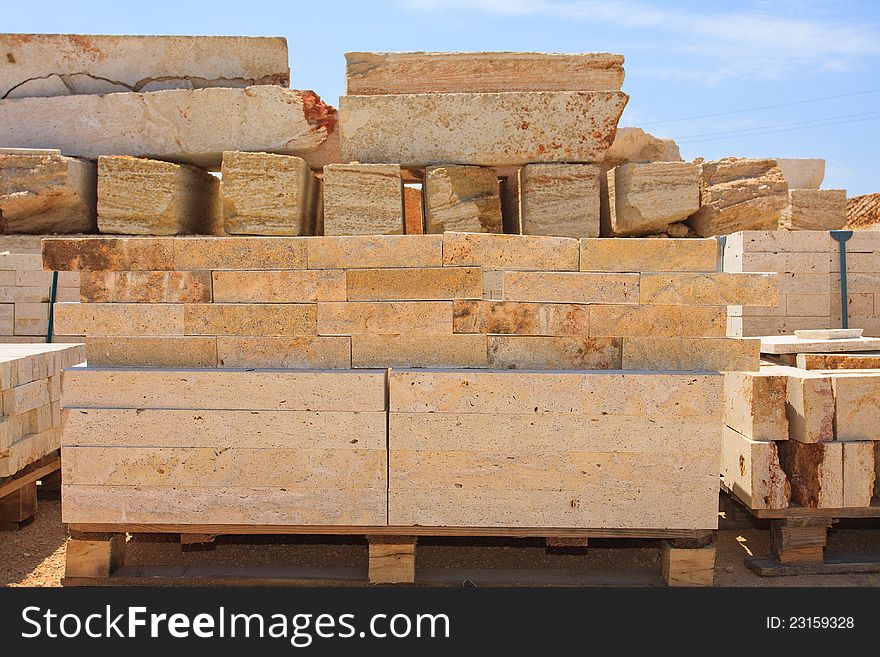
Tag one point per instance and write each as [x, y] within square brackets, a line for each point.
[462, 198]
[711, 289]
[636, 145]
[828, 334]
[514, 318]
[45, 192]
[146, 287]
[518, 352]
[180, 125]
[809, 406]
[754, 405]
[510, 252]
[628, 320]
[648, 254]
[70, 64]
[858, 474]
[295, 286]
[381, 73]
[307, 352]
[645, 198]
[446, 351]
[559, 199]
[137, 196]
[789, 344]
[750, 469]
[863, 361]
[268, 194]
[488, 129]
[139, 351]
[358, 251]
[423, 284]
[815, 472]
[363, 199]
[739, 194]
[385, 318]
[815, 209]
[96, 319]
[802, 173]
[263, 319]
[570, 287]
[857, 405]
[706, 354]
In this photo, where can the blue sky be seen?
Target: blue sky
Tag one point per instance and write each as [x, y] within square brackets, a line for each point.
[695, 71]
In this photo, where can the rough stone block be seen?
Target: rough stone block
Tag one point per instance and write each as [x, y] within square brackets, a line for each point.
[857, 406]
[641, 255]
[515, 318]
[354, 251]
[363, 199]
[658, 321]
[716, 289]
[559, 199]
[570, 287]
[815, 471]
[146, 286]
[385, 318]
[636, 145]
[750, 469]
[439, 283]
[256, 319]
[462, 198]
[296, 286]
[118, 319]
[754, 404]
[815, 209]
[714, 354]
[802, 173]
[553, 353]
[298, 352]
[447, 351]
[511, 252]
[645, 198]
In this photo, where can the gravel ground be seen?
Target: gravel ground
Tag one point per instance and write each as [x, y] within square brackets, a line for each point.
[34, 556]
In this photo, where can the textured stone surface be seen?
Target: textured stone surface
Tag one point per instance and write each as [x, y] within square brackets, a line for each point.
[515, 318]
[279, 286]
[237, 252]
[559, 199]
[148, 197]
[857, 406]
[570, 287]
[658, 321]
[462, 198]
[750, 469]
[363, 199]
[385, 318]
[69, 64]
[721, 354]
[802, 173]
[416, 284]
[45, 192]
[863, 211]
[371, 73]
[754, 405]
[489, 129]
[298, 352]
[257, 319]
[815, 209]
[858, 473]
[181, 125]
[268, 194]
[118, 319]
[636, 145]
[809, 406]
[146, 286]
[789, 344]
[512, 252]
[139, 351]
[815, 472]
[638, 255]
[519, 352]
[715, 289]
[739, 194]
[645, 198]
[352, 251]
[413, 211]
[447, 351]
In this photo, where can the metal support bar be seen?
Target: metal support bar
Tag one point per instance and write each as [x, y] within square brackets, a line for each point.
[53, 293]
[842, 236]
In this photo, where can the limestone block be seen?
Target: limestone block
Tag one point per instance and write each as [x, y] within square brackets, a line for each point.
[363, 199]
[636, 145]
[515, 318]
[559, 199]
[790, 344]
[385, 318]
[380, 73]
[268, 194]
[193, 253]
[447, 351]
[295, 286]
[139, 351]
[303, 390]
[413, 211]
[118, 319]
[658, 321]
[793, 263]
[716, 289]
[257, 319]
[870, 360]
[190, 126]
[640, 255]
[45, 192]
[146, 286]
[29, 449]
[487, 129]
[863, 211]
[20, 399]
[437, 283]
[857, 406]
[739, 194]
[815, 209]
[809, 407]
[645, 198]
[298, 352]
[517, 352]
[815, 471]
[354, 251]
[31, 318]
[570, 287]
[68, 64]
[779, 241]
[858, 473]
[149, 197]
[802, 173]
[511, 252]
[755, 405]
[461, 198]
[108, 254]
[721, 354]
[750, 469]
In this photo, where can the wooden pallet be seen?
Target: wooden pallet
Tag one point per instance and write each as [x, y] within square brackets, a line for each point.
[798, 537]
[18, 493]
[96, 556]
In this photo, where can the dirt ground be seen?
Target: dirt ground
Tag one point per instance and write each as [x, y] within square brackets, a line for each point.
[34, 556]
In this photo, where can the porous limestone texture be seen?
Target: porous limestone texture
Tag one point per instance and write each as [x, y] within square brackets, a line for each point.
[462, 198]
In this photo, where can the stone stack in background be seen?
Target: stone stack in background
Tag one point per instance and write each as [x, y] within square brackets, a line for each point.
[863, 212]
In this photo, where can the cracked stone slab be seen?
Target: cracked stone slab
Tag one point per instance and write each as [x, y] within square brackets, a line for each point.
[43, 65]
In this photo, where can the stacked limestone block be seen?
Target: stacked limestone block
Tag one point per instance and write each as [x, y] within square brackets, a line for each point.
[810, 208]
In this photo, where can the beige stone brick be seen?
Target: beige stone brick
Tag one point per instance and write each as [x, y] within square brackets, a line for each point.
[385, 318]
[513, 252]
[570, 287]
[109, 254]
[354, 251]
[750, 469]
[648, 254]
[138, 351]
[279, 286]
[363, 199]
[755, 404]
[717, 289]
[516, 318]
[462, 198]
[560, 199]
[815, 209]
[247, 253]
[146, 287]
[802, 173]
[721, 354]
[553, 353]
[646, 197]
[268, 319]
[299, 352]
[447, 351]
[118, 319]
[809, 407]
[858, 473]
[857, 406]
[438, 283]
[658, 321]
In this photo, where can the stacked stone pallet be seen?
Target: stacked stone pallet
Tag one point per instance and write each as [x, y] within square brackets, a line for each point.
[808, 264]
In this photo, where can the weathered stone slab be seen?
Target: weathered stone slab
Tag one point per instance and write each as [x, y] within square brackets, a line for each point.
[298, 352]
[815, 209]
[511, 252]
[179, 125]
[559, 199]
[857, 406]
[257, 319]
[714, 354]
[750, 469]
[462, 198]
[570, 287]
[488, 129]
[863, 211]
[438, 283]
[255, 253]
[381, 73]
[518, 352]
[296, 286]
[268, 194]
[45, 192]
[802, 173]
[754, 405]
[515, 318]
[68, 64]
[640, 255]
[716, 289]
[739, 194]
[363, 199]
[118, 319]
[645, 198]
[146, 286]
[815, 472]
[636, 145]
[138, 351]
[447, 351]
[354, 251]
[658, 321]
[858, 474]
[385, 318]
